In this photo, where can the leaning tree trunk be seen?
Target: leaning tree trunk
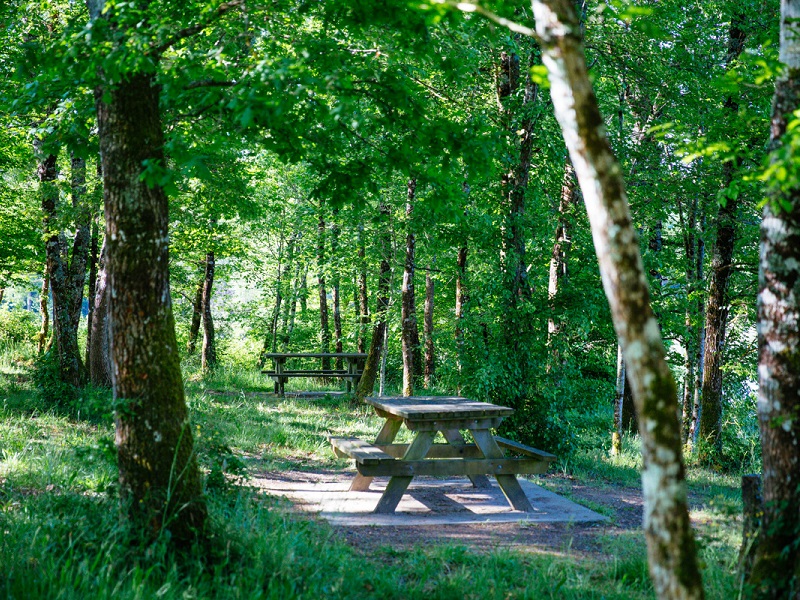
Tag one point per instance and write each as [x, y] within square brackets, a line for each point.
[409, 329]
[670, 542]
[776, 571]
[208, 359]
[324, 328]
[372, 365]
[99, 350]
[197, 317]
[160, 485]
[721, 263]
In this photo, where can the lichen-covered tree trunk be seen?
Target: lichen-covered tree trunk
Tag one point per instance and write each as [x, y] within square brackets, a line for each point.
[721, 264]
[208, 358]
[670, 541]
[99, 350]
[372, 365]
[160, 485]
[430, 356]
[94, 256]
[409, 329]
[776, 571]
[324, 327]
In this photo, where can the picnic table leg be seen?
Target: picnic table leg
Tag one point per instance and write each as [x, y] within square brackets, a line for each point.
[386, 436]
[454, 438]
[281, 380]
[398, 484]
[508, 483]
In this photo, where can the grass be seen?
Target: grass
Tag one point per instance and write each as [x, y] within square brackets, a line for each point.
[62, 536]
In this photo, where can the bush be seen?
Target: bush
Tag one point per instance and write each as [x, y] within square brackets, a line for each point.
[18, 327]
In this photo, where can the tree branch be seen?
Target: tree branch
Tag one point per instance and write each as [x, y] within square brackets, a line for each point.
[208, 83]
[198, 27]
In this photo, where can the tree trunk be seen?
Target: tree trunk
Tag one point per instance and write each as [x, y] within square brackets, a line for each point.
[408, 309]
[44, 312]
[65, 334]
[337, 309]
[670, 542]
[462, 298]
[324, 328]
[616, 436]
[292, 309]
[430, 362]
[271, 341]
[208, 360]
[363, 302]
[81, 243]
[99, 361]
[558, 260]
[197, 317]
[776, 572]
[160, 485]
[94, 256]
[370, 373]
[721, 262]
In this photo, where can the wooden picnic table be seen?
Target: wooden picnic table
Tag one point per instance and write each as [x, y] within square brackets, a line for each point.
[280, 374]
[425, 416]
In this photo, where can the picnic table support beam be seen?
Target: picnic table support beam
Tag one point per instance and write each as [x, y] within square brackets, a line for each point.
[398, 484]
[455, 439]
[386, 436]
[508, 483]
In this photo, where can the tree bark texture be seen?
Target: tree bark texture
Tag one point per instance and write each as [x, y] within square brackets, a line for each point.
[616, 436]
[671, 548]
[409, 329]
[372, 365]
[160, 484]
[65, 330]
[430, 357]
[776, 571]
[570, 194]
[271, 340]
[462, 297]
[99, 361]
[721, 264]
[208, 359]
[81, 244]
[324, 327]
[337, 308]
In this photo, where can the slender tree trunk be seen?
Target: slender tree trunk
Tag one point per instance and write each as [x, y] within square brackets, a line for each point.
[558, 260]
[197, 317]
[293, 309]
[160, 485]
[271, 341]
[81, 243]
[289, 286]
[44, 312]
[337, 309]
[208, 360]
[363, 302]
[408, 309]
[670, 541]
[462, 298]
[99, 361]
[430, 359]
[776, 571]
[94, 256]
[372, 365]
[616, 436]
[2, 292]
[324, 328]
[304, 290]
[721, 264]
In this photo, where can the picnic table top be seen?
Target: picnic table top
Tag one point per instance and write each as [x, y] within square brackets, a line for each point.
[315, 355]
[431, 408]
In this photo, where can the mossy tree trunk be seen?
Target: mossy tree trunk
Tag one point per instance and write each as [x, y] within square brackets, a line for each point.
[160, 485]
[776, 571]
[670, 542]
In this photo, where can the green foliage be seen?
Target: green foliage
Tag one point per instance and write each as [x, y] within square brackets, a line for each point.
[17, 328]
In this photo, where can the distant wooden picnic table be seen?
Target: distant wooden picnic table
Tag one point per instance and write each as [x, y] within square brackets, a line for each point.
[280, 374]
[425, 416]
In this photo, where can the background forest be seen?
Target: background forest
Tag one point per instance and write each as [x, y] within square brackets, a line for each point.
[334, 166]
